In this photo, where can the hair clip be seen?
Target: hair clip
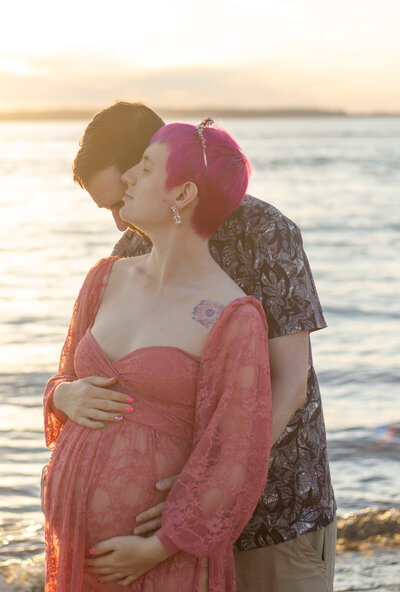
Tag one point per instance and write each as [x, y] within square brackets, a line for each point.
[207, 122]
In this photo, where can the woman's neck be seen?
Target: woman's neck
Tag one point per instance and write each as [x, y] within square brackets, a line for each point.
[178, 258]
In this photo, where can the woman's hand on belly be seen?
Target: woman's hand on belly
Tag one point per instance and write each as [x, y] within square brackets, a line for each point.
[125, 559]
[90, 401]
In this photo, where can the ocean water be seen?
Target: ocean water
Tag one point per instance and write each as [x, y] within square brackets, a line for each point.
[338, 179]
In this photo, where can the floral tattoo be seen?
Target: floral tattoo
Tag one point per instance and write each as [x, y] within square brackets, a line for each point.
[207, 312]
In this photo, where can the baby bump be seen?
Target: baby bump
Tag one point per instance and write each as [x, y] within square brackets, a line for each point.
[134, 459]
[109, 476]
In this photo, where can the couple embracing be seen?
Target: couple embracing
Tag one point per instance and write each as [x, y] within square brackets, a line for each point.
[167, 472]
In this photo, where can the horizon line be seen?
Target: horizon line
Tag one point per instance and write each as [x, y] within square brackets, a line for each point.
[76, 113]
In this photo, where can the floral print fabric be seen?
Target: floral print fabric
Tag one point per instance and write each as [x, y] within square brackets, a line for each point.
[262, 251]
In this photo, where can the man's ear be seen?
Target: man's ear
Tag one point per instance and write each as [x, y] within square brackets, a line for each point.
[188, 194]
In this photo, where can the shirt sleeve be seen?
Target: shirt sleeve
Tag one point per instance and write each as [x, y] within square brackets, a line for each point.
[122, 247]
[219, 487]
[262, 251]
[84, 307]
[288, 293]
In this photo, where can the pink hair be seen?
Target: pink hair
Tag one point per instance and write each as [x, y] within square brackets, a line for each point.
[221, 185]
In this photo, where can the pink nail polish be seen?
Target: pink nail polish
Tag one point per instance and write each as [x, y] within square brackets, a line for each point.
[113, 378]
[129, 400]
[119, 417]
[92, 550]
[129, 409]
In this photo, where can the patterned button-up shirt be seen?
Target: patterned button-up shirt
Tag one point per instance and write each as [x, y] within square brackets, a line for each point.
[262, 251]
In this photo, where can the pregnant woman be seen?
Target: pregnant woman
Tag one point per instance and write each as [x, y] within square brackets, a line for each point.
[187, 350]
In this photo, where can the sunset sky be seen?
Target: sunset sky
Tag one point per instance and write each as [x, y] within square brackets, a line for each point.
[223, 53]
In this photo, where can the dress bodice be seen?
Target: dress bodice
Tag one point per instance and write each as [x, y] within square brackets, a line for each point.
[207, 421]
[161, 374]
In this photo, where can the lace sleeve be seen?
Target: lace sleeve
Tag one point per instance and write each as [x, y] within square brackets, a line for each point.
[220, 485]
[82, 315]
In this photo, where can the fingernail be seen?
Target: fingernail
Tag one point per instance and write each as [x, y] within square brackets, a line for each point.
[162, 486]
[92, 550]
[119, 417]
[101, 425]
[129, 409]
[113, 378]
[129, 400]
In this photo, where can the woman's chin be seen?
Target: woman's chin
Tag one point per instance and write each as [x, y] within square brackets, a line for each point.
[120, 222]
[124, 219]
[132, 225]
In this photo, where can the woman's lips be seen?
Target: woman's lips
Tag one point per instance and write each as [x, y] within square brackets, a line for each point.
[127, 196]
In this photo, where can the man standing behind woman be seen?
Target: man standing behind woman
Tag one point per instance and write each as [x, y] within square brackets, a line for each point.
[189, 351]
[289, 544]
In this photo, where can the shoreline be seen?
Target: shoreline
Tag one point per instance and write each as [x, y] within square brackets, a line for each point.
[74, 114]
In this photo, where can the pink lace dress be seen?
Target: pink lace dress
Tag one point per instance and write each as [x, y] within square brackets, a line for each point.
[208, 419]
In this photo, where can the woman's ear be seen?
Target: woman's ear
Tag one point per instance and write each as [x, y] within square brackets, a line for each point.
[188, 194]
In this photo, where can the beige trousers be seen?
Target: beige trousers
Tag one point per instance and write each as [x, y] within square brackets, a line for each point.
[304, 564]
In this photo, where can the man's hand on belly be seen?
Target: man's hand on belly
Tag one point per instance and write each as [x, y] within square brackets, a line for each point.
[124, 559]
[150, 520]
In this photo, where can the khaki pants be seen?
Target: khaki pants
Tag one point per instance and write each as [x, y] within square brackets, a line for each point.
[304, 564]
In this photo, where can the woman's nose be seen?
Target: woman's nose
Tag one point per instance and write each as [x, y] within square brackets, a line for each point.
[129, 177]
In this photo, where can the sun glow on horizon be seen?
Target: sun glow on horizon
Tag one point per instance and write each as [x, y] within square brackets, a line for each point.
[258, 53]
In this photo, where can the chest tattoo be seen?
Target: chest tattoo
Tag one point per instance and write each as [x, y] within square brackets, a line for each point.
[207, 312]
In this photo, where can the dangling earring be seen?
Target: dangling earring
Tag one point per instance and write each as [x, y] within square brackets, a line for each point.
[177, 216]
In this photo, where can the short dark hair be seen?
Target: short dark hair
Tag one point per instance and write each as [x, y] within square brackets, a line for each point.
[116, 136]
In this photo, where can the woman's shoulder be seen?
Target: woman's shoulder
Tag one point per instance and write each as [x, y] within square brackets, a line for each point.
[104, 265]
[223, 286]
[124, 263]
[242, 323]
[245, 306]
[99, 269]
[222, 296]
[243, 314]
